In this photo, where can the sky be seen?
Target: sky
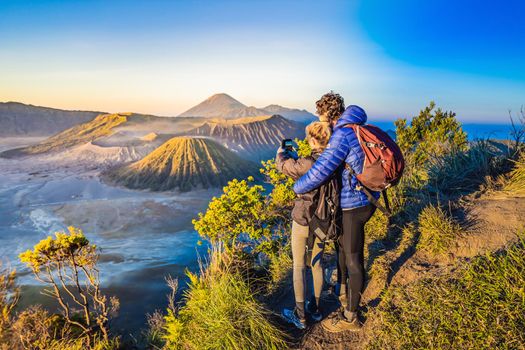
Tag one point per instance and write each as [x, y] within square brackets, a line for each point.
[162, 57]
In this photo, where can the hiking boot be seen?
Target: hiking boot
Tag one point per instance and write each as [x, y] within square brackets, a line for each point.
[291, 316]
[312, 309]
[340, 323]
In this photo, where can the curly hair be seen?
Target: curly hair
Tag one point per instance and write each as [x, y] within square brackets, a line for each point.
[330, 107]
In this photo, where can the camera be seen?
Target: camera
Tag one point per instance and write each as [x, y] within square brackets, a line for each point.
[287, 144]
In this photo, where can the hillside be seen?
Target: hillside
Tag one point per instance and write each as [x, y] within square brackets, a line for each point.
[84, 133]
[18, 119]
[224, 106]
[183, 163]
[254, 138]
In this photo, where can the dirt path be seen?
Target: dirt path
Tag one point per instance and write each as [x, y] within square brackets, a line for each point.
[491, 222]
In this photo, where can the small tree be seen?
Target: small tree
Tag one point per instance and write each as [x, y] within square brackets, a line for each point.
[246, 213]
[282, 195]
[243, 209]
[431, 134]
[67, 264]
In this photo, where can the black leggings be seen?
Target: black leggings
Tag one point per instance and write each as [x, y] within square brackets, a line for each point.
[342, 274]
[353, 240]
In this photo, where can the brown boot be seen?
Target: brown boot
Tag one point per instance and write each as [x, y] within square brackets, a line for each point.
[340, 323]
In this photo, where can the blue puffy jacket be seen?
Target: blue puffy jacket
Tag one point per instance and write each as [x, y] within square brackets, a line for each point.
[342, 147]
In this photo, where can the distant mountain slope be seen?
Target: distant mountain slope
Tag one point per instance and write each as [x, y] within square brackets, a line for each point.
[301, 115]
[183, 163]
[111, 130]
[77, 135]
[224, 106]
[255, 138]
[18, 119]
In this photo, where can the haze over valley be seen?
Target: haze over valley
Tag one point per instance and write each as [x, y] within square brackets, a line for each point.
[132, 182]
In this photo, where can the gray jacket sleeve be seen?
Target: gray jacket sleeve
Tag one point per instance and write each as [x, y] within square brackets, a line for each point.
[295, 168]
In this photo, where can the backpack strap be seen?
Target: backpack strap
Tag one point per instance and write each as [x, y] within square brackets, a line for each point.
[385, 209]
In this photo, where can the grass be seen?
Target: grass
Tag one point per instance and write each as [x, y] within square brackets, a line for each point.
[377, 227]
[36, 328]
[221, 312]
[112, 344]
[461, 172]
[480, 307]
[516, 181]
[380, 268]
[438, 230]
[280, 268]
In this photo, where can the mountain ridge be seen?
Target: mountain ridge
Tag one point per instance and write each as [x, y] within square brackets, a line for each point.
[255, 139]
[101, 126]
[20, 119]
[222, 105]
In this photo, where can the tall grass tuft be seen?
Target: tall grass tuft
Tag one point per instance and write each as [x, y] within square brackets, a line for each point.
[221, 312]
[516, 181]
[461, 171]
[377, 227]
[438, 230]
[480, 307]
[280, 269]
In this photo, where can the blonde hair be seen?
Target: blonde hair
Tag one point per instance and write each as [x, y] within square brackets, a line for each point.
[320, 131]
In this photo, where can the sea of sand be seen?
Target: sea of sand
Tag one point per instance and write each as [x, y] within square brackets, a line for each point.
[142, 236]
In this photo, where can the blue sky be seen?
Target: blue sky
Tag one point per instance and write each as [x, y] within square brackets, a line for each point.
[162, 57]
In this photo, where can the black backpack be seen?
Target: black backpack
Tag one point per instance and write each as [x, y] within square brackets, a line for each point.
[325, 222]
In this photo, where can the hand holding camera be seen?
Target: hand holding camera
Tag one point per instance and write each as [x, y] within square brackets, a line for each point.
[288, 149]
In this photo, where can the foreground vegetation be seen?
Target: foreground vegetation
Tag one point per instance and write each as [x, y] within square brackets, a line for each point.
[221, 312]
[480, 307]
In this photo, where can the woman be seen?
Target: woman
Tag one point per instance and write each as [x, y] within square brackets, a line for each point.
[344, 147]
[288, 163]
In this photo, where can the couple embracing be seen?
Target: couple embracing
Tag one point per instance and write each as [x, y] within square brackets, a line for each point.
[337, 162]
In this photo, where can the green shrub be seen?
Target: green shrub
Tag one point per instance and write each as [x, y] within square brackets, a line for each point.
[221, 312]
[242, 209]
[245, 213]
[431, 134]
[437, 229]
[303, 148]
[480, 307]
[282, 194]
[430, 137]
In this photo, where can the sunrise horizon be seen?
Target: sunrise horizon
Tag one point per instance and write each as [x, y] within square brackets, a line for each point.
[164, 57]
